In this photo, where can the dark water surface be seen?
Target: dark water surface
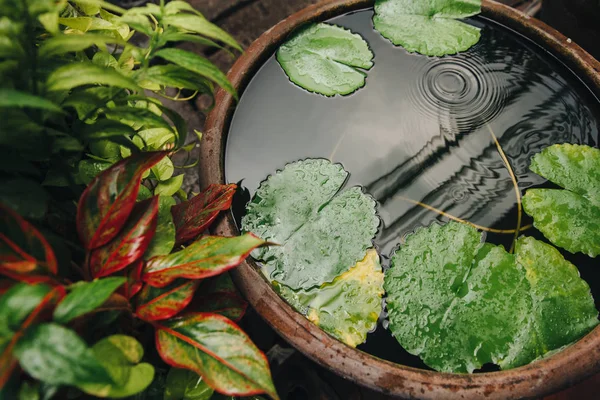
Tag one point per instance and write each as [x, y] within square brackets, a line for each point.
[420, 129]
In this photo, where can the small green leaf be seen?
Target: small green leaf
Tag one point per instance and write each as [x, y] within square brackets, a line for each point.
[164, 169]
[428, 27]
[200, 25]
[169, 187]
[156, 138]
[85, 24]
[63, 43]
[56, 355]
[73, 75]
[176, 77]
[459, 304]
[198, 65]
[106, 128]
[322, 233]
[568, 218]
[104, 59]
[349, 307]
[105, 149]
[15, 98]
[136, 116]
[183, 384]
[120, 355]
[325, 59]
[164, 239]
[89, 169]
[85, 297]
[29, 392]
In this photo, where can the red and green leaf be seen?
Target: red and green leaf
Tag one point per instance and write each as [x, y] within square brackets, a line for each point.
[162, 303]
[25, 254]
[20, 307]
[194, 216]
[134, 282]
[108, 200]
[218, 350]
[218, 295]
[209, 256]
[130, 244]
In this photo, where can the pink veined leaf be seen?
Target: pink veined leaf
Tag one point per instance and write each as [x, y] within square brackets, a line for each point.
[130, 244]
[108, 200]
[209, 256]
[162, 303]
[194, 216]
[25, 254]
[218, 350]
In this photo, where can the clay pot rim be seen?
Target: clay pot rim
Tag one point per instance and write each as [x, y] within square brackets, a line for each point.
[568, 366]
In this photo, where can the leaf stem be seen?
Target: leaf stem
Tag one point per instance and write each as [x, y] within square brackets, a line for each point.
[516, 187]
[453, 218]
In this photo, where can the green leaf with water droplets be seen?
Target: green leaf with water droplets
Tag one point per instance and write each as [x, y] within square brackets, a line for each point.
[428, 27]
[326, 59]
[349, 307]
[459, 304]
[568, 218]
[321, 233]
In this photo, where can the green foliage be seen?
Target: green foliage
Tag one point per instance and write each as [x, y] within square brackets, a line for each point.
[325, 59]
[459, 304]
[569, 218]
[428, 27]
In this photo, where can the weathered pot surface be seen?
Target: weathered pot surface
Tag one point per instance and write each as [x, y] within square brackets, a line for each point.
[537, 379]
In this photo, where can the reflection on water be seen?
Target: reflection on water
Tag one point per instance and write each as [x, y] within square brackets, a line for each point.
[420, 129]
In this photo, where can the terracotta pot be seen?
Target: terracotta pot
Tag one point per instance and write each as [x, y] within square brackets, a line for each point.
[543, 377]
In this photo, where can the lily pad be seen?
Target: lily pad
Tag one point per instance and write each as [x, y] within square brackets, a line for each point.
[428, 27]
[321, 233]
[326, 59]
[568, 218]
[459, 304]
[349, 307]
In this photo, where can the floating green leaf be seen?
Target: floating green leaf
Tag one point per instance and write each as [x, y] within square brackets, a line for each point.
[120, 355]
[321, 234]
[347, 308]
[568, 218]
[459, 304]
[326, 59]
[428, 27]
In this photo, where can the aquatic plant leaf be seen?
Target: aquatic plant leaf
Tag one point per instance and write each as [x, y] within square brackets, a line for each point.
[163, 303]
[130, 244]
[85, 297]
[568, 218]
[106, 203]
[209, 256]
[120, 355]
[459, 304]
[163, 240]
[347, 308]
[194, 216]
[218, 350]
[326, 59]
[56, 355]
[25, 254]
[428, 27]
[321, 234]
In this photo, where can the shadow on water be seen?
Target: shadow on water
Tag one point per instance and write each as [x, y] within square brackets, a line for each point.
[420, 129]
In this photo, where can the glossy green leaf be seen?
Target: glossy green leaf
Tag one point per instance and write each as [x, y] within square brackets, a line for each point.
[428, 27]
[198, 65]
[85, 24]
[120, 355]
[326, 59]
[322, 233]
[169, 187]
[568, 218]
[16, 98]
[106, 203]
[347, 308]
[183, 384]
[459, 304]
[57, 355]
[85, 297]
[134, 115]
[163, 240]
[77, 74]
[156, 138]
[176, 77]
[200, 25]
[87, 170]
[218, 350]
[209, 256]
[63, 43]
[130, 244]
[163, 303]
[164, 169]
